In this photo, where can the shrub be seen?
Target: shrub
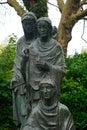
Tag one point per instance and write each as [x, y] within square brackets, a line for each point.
[6, 65]
[74, 89]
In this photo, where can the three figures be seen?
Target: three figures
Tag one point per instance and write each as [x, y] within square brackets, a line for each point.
[39, 67]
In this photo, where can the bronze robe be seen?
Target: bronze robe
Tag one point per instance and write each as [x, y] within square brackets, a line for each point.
[51, 53]
[20, 105]
[55, 117]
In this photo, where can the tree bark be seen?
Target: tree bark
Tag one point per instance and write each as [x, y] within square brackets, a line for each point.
[67, 22]
[13, 3]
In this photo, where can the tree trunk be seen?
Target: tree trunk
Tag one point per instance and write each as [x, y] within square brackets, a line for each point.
[67, 22]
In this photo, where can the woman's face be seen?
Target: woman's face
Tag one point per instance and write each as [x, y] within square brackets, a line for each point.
[43, 29]
[28, 25]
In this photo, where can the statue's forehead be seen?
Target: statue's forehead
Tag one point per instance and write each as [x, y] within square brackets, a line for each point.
[46, 85]
[43, 22]
[28, 16]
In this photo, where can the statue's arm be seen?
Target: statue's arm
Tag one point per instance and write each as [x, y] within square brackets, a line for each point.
[59, 65]
[69, 124]
[17, 73]
[60, 60]
[66, 118]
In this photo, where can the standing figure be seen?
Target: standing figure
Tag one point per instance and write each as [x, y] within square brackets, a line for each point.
[21, 106]
[49, 114]
[46, 56]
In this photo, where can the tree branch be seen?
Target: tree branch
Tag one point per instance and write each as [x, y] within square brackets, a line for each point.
[13, 3]
[3, 3]
[83, 32]
[81, 14]
[83, 3]
[60, 5]
[52, 4]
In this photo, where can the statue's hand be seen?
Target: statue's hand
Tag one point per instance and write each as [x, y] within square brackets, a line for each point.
[40, 64]
[43, 65]
[14, 84]
[25, 52]
[46, 66]
[13, 81]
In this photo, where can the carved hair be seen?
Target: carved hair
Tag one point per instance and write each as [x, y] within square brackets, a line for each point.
[46, 19]
[28, 15]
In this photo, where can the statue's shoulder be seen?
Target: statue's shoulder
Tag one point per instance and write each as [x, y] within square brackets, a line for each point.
[64, 109]
[20, 41]
[36, 41]
[56, 42]
[34, 45]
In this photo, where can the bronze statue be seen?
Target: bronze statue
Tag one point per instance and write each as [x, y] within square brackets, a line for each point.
[45, 56]
[49, 114]
[21, 107]
[39, 67]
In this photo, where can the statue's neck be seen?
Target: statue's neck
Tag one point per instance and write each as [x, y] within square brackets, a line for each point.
[44, 39]
[29, 36]
[49, 102]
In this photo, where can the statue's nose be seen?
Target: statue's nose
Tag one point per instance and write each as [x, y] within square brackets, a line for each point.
[45, 89]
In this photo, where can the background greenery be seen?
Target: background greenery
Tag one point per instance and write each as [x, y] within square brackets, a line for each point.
[39, 7]
[7, 54]
[73, 88]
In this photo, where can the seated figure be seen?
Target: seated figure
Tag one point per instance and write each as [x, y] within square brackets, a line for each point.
[49, 114]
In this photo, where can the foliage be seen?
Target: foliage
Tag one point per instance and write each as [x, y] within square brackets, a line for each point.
[39, 7]
[84, 50]
[6, 64]
[77, 68]
[1, 48]
[74, 89]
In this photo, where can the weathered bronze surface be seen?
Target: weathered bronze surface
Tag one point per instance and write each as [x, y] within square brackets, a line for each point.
[39, 67]
[49, 114]
[21, 107]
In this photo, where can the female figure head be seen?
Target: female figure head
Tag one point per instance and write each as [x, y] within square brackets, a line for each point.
[29, 24]
[44, 28]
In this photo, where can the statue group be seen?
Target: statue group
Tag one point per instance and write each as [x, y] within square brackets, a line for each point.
[39, 67]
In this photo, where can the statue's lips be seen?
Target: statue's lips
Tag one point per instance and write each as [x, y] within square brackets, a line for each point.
[43, 32]
[46, 95]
